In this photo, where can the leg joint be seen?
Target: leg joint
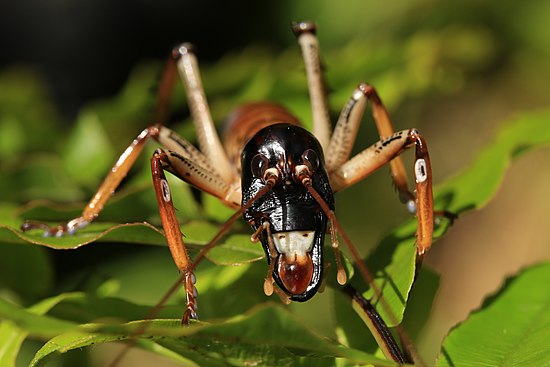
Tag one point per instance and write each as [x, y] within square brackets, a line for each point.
[370, 93]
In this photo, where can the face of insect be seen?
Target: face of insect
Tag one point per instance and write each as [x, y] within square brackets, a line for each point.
[293, 222]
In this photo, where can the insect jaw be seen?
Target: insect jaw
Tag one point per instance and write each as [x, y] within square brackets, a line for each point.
[297, 264]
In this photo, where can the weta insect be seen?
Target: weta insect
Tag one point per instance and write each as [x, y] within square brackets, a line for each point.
[277, 175]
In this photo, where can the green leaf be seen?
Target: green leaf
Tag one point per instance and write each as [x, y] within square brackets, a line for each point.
[236, 249]
[144, 233]
[419, 305]
[512, 328]
[32, 321]
[393, 266]
[393, 261]
[18, 323]
[266, 336]
[351, 329]
[11, 338]
[470, 190]
[474, 187]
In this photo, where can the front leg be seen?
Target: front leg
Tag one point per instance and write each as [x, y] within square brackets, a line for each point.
[173, 234]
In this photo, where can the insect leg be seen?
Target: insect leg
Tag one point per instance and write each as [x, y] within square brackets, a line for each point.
[173, 233]
[345, 133]
[159, 163]
[180, 251]
[209, 141]
[188, 163]
[305, 33]
[384, 151]
[192, 166]
[110, 183]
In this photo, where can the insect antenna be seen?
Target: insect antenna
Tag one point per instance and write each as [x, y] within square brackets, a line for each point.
[373, 318]
[176, 285]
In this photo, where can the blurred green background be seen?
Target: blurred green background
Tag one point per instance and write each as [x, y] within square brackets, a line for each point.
[85, 71]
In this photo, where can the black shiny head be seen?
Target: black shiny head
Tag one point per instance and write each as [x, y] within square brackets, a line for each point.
[297, 224]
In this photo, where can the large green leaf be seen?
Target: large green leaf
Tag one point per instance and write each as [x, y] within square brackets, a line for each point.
[269, 335]
[236, 249]
[265, 336]
[393, 261]
[512, 328]
[474, 187]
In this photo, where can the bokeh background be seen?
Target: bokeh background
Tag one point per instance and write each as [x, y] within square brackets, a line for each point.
[455, 70]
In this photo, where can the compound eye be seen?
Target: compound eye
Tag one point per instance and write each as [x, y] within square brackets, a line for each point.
[311, 159]
[259, 165]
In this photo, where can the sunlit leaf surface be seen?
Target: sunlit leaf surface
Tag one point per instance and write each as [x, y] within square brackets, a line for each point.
[513, 326]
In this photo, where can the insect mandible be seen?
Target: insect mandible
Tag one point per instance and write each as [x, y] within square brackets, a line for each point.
[277, 175]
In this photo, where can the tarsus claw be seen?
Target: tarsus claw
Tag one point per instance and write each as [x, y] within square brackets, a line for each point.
[68, 228]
